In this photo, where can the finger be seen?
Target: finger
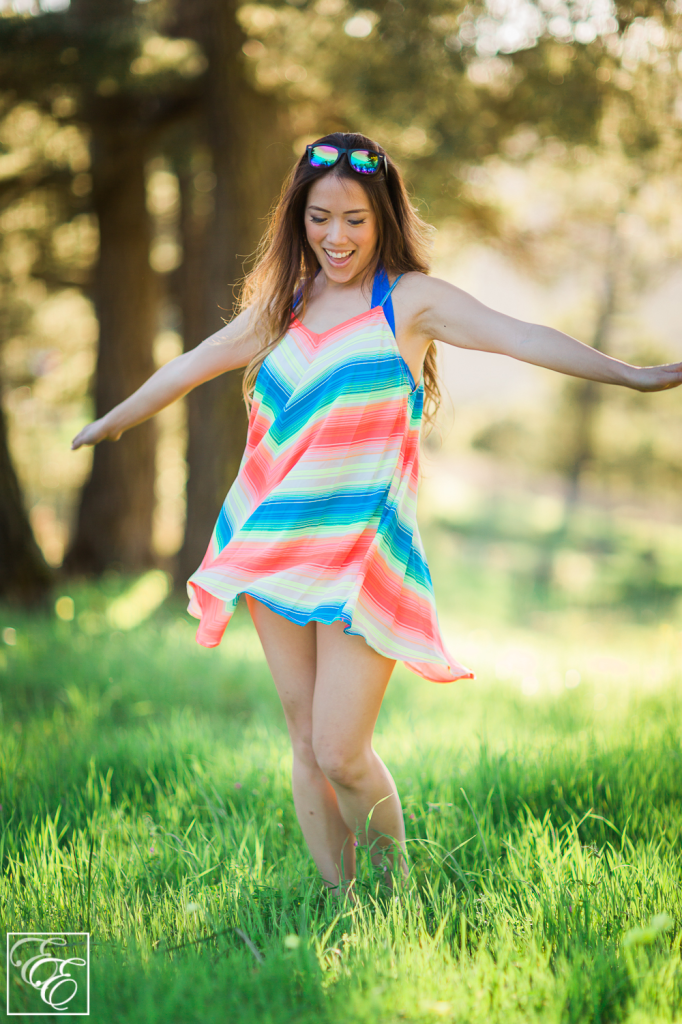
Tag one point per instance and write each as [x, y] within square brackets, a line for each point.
[80, 439]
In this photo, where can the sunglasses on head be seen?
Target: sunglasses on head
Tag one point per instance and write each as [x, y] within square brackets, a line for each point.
[363, 161]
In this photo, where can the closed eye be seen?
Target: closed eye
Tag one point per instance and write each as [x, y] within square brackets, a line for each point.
[321, 220]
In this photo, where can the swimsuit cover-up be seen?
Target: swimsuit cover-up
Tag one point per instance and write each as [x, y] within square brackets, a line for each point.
[320, 523]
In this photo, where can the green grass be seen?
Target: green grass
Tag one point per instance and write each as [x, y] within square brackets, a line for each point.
[145, 794]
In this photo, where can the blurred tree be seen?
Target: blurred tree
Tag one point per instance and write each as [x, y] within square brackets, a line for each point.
[37, 165]
[641, 135]
[25, 576]
[114, 524]
[611, 215]
[127, 85]
[584, 396]
[246, 134]
[131, 84]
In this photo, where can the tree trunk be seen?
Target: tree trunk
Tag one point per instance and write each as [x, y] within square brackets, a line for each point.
[114, 526]
[248, 161]
[587, 394]
[25, 577]
[582, 399]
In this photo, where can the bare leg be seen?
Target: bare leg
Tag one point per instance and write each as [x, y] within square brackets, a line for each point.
[349, 688]
[291, 653]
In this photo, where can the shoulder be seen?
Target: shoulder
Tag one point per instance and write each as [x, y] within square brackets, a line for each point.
[420, 288]
[429, 307]
[418, 294]
[409, 288]
[410, 282]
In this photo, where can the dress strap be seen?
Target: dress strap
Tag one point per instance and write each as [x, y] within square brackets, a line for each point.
[380, 286]
[381, 295]
[388, 293]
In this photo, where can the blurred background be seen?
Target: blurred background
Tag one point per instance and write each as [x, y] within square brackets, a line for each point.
[141, 146]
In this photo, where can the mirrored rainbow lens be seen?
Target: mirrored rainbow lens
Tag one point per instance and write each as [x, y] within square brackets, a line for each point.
[364, 162]
[323, 156]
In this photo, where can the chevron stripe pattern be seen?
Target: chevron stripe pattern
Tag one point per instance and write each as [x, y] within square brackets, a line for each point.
[320, 524]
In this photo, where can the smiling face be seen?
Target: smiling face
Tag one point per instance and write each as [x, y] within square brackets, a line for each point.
[341, 227]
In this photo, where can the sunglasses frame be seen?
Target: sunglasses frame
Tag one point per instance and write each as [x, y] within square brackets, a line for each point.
[340, 150]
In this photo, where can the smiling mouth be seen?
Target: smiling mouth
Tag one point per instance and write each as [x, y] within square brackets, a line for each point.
[339, 257]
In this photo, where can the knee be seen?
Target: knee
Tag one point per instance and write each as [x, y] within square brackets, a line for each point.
[301, 735]
[302, 745]
[343, 767]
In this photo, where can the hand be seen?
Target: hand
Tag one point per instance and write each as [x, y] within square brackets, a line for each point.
[94, 433]
[657, 378]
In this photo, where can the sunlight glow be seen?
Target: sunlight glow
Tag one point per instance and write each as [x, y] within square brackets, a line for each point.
[511, 25]
[143, 598]
[360, 25]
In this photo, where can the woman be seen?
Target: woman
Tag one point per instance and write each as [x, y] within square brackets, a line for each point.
[318, 531]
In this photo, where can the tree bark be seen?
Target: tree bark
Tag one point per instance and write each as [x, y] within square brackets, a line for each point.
[25, 577]
[114, 526]
[249, 158]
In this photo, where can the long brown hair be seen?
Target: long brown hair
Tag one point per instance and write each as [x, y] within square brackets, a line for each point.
[287, 265]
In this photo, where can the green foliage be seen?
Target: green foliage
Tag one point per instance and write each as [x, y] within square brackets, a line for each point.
[434, 82]
[87, 53]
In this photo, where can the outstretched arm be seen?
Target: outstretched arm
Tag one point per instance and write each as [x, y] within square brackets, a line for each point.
[457, 318]
[229, 348]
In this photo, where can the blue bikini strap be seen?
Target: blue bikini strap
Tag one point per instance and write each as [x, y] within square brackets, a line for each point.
[381, 295]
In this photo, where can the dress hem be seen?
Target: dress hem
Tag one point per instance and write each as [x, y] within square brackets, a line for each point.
[302, 621]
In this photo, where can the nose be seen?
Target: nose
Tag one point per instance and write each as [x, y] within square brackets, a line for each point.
[337, 232]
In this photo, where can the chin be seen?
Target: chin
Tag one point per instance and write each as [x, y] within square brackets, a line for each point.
[348, 273]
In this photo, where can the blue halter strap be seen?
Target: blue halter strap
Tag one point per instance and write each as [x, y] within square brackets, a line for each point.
[381, 295]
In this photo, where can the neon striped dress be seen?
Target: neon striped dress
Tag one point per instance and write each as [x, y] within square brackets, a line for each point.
[320, 523]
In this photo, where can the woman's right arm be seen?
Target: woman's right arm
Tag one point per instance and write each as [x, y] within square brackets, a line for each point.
[229, 348]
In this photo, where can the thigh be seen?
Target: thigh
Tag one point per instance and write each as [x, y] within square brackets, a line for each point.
[290, 651]
[350, 684]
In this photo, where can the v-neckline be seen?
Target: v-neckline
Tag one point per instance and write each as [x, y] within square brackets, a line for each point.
[344, 323]
[316, 338]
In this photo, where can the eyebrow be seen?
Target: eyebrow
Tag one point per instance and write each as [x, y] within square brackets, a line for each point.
[363, 209]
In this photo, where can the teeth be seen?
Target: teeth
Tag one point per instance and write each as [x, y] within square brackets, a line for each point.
[338, 255]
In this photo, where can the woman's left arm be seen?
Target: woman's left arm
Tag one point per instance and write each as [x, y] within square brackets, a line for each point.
[457, 318]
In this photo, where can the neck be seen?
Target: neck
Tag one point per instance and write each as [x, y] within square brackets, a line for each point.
[360, 282]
